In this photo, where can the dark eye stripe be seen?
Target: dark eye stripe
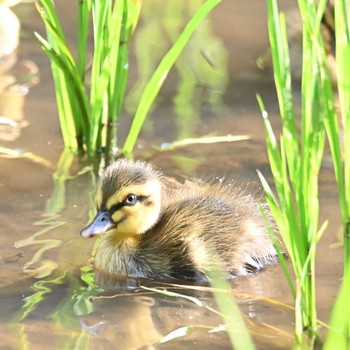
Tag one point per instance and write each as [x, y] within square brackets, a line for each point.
[116, 207]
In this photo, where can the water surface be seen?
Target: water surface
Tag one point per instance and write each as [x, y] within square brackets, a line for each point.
[47, 294]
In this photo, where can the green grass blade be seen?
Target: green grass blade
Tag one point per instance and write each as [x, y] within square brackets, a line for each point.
[161, 73]
[278, 164]
[47, 11]
[338, 334]
[72, 77]
[130, 18]
[276, 212]
[119, 50]
[68, 126]
[342, 23]
[107, 84]
[280, 57]
[296, 167]
[74, 117]
[99, 12]
[272, 148]
[134, 9]
[342, 27]
[83, 31]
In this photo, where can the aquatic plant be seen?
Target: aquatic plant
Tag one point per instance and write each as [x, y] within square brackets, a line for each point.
[295, 164]
[89, 111]
[342, 23]
[339, 334]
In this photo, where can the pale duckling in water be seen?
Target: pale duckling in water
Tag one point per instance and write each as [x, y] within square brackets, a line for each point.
[153, 226]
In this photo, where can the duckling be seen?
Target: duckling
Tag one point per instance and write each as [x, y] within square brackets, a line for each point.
[153, 226]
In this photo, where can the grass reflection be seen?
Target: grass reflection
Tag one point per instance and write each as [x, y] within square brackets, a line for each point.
[50, 272]
[202, 68]
[72, 332]
[38, 266]
[42, 289]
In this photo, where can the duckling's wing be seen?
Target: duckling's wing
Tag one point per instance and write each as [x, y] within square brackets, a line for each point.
[199, 226]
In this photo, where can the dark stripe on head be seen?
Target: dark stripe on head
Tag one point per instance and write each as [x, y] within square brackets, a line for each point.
[124, 173]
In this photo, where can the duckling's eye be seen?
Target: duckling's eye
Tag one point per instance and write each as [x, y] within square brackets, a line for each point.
[131, 199]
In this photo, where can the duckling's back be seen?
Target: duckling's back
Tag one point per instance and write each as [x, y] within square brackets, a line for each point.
[202, 225]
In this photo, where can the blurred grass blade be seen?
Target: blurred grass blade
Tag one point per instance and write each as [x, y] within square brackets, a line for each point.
[174, 294]
[177, 333]
[235, 325]
[203, 140]
[338, 335]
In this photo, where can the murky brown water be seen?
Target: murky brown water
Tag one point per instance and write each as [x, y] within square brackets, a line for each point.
[46, 301]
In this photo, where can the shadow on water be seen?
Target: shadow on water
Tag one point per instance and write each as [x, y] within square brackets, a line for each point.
[49, 294]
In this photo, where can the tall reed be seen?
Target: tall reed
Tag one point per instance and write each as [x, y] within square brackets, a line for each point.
[295, 165]
[84, 114]
[90, 104]
[342, 23]
[339, 335]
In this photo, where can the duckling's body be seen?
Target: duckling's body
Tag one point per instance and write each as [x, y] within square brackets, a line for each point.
[155, 227]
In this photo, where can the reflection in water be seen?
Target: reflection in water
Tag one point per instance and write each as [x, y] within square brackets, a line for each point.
[9, 28]
[38, 266]
[49, 272]
[18, 153]
[202, 67]
[86, 310]
[130, 325]
[15, 78]
[14, 86]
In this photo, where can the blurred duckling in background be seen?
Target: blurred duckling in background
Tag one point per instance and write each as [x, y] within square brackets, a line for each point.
[155, 227]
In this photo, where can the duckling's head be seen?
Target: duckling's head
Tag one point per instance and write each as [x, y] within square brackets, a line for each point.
[128, 199]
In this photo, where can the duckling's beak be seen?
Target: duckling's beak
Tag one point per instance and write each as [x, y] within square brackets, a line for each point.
[101, 224]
